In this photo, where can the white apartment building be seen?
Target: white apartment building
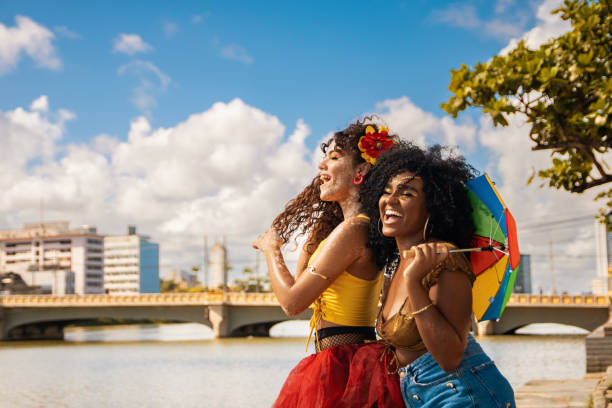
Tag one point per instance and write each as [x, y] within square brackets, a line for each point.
[131, 264]
[55, 257]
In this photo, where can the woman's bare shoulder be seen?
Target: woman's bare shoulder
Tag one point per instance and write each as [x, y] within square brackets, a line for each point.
[353, 225]
[353, 230]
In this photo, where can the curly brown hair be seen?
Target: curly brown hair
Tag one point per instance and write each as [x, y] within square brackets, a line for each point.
[307, 213]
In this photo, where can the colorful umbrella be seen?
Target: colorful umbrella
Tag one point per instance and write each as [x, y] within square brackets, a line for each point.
[495, 254]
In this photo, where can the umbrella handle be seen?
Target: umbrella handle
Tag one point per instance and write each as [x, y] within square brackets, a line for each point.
[479, 249]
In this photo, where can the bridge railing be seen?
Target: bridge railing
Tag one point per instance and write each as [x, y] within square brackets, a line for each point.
[519, 299]
[249, 299]
[146, 299]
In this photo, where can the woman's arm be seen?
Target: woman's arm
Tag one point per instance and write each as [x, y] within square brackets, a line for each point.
[445, 325]
[344, 246]
[305, 254]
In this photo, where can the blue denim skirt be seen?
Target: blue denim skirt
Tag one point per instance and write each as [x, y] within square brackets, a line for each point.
[475, 383]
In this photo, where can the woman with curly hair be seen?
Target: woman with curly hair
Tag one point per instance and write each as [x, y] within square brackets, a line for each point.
[336, 273]
[419, 210]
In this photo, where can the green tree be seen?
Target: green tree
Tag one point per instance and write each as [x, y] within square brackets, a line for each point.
[168, 286]
[251, 282]
[563, 89]
[196, 289]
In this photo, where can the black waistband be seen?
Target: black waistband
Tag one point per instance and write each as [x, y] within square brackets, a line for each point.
[367, 331]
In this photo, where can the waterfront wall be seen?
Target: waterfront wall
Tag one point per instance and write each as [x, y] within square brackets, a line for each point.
[599, 348]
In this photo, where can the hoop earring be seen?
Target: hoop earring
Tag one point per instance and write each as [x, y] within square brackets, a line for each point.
[358, 179]
[380, 227]
[425, 229]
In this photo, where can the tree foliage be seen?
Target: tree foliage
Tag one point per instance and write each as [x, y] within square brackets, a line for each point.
[168, 286]
[252, 282]
[563, 89]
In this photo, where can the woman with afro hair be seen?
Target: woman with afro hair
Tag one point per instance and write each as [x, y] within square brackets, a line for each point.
[419, 209]
[336, 276]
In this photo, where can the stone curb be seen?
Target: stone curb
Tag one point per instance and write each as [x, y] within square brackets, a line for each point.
[602, 395]
[563, 393]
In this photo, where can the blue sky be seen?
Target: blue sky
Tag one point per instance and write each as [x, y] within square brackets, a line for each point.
[203, 117]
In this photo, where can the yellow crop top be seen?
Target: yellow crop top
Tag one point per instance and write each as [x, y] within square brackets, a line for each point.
[348, 301]
[400, 330]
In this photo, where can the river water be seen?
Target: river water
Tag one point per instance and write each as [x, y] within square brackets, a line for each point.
[181, 365]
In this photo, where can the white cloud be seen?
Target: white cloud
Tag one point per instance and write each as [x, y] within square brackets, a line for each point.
[30, 139]
[77, 183]
[236, 52]
[198, 18]
[548, 26]
[145, 67]
[170, 28]
[65, 115]
[459, 15]
[130, 44]
[40, 104]
[414, 124]
[503, 5]
[505, 25]
[225, 171]
[152, 81]
[30, 38]
[64, 31]
[104, 143]
[26, 135]
[503, 29]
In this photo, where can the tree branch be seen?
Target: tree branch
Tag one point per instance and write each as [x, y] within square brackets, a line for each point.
[566, 145]
[586, 102]
[597, 182]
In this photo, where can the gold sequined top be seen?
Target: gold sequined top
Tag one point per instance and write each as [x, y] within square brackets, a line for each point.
[400, 330]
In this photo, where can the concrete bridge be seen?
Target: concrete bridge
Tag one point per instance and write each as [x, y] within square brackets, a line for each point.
[586, 312]
[227, 314]
[241, 314]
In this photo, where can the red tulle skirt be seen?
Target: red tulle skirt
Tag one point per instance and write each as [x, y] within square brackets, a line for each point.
[351, 375]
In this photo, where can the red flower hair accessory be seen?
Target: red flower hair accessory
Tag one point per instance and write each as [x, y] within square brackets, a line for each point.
[373, 143]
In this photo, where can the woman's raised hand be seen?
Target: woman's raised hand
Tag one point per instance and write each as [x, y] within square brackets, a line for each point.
[425, 257]
[269, 240]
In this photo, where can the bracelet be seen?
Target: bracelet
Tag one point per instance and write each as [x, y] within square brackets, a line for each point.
[311, 270]
[421, 310]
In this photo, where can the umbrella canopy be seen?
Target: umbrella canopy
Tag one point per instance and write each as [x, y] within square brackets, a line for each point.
[495, 257]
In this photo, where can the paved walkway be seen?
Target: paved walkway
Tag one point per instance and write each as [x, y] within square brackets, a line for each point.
[557, 393]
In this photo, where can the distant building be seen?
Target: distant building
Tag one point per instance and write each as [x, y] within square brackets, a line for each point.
[604, 260]
[598, 286]
[218, 267]
[522, 284]
[182, 278]
[609, 266]
[131, 264]
[54, 257]
[11, 283]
